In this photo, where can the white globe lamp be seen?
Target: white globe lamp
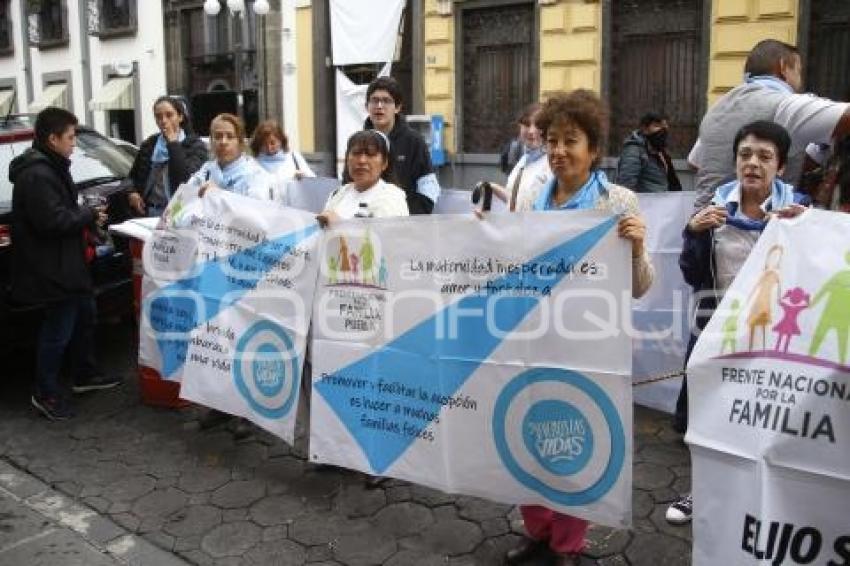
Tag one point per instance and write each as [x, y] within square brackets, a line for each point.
[212, 7]
[261, 7]
[235, 6]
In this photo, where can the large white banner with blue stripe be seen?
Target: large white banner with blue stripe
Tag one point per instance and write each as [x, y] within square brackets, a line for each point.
[481, 357]
[228, 293]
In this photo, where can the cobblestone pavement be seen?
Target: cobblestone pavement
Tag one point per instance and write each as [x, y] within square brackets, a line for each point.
[210, 499]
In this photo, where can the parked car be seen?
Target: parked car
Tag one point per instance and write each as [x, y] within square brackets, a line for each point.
[98, 167]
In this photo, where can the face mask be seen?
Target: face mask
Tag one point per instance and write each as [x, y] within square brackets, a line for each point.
[658, 139]
[533, 154]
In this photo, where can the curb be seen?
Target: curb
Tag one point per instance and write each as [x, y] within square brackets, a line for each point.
[100, 532]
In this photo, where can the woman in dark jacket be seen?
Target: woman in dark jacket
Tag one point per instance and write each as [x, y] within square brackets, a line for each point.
[165, 160]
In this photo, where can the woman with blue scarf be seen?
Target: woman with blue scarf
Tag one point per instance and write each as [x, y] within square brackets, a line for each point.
[270, 147]
[573, 125]
[719, 238]
[166, 159]
[230, 169]
[531, 171]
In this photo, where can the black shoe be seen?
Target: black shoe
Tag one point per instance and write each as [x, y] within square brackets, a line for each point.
[95, 383]
[52, 407]
[526, 550]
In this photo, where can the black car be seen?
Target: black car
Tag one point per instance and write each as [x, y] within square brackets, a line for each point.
[99, 167]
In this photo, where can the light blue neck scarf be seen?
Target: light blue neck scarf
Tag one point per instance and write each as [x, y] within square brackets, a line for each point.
[235, 176]
[771, 82]
[533, 154]
[160, 150]
[585, 197]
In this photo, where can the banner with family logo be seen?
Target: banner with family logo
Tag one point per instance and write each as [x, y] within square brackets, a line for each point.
[484, 357]
[228, 292]
[769, 388]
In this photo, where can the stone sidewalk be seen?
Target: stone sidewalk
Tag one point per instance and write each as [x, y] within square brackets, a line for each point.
[209, 499]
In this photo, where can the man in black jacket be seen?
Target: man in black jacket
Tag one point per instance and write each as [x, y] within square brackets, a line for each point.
[411, 160]
[49, 259]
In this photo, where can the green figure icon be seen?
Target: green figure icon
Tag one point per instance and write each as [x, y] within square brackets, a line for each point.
[367, 259]
[730, 327]
[836, 313]
[333, 267]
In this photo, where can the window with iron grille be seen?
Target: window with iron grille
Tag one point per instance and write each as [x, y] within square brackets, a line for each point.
[112, 17]
[498, 69]
[829, 50]
[48, 23]
[6, 43]
[656, 66]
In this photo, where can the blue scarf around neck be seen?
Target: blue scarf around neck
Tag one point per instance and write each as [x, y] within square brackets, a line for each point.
[160, 150]
[584, 198]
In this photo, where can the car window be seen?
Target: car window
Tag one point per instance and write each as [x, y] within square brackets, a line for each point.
[96, 156]
[7, 152]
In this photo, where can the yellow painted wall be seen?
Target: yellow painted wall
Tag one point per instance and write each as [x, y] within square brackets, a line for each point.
[439, 79]
[304, 72]
[736, 26]
[570, 46]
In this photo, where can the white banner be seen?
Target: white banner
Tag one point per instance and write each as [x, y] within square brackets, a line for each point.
[769, 390]
[228, 291]
[479, 357]
[364, 31]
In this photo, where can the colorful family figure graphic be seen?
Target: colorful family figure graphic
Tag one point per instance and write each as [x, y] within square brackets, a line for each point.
[767, 292]
[347, 267]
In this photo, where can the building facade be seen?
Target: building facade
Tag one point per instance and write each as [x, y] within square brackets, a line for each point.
[97, 58]
[479, 62]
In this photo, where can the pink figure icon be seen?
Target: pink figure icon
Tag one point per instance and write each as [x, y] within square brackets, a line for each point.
[793, 302]
[355, 259]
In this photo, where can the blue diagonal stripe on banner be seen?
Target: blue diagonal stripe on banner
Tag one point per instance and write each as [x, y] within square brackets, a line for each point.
[219, 284]
[423, 361]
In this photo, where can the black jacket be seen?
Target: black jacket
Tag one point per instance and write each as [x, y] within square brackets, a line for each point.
[184, 158]
[410, 161]
[645, 172]
[48, 245]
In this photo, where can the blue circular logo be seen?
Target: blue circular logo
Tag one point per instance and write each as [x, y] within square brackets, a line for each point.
[558, 436]
[266, 369]
[572, 452]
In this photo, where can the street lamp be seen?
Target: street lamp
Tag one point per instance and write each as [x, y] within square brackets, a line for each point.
[236, 8]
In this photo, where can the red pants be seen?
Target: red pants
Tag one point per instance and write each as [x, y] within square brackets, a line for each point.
[564, 533]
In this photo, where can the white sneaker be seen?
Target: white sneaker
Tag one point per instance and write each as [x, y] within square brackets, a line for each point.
[680, 511]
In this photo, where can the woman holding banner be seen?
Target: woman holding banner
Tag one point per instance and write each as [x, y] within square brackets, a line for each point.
[719, 238]
[230, 169]
[270, 147]
[370, 191]
[573, 129]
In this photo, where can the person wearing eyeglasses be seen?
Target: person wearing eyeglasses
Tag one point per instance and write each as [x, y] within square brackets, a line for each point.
[410, 157]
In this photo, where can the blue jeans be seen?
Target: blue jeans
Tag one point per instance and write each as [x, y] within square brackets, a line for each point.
[68, 326]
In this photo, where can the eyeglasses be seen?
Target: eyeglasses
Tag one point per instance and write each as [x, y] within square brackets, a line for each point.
[765, 156]
[381, 101]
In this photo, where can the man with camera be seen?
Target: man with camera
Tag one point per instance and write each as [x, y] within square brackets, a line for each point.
[50, 264]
